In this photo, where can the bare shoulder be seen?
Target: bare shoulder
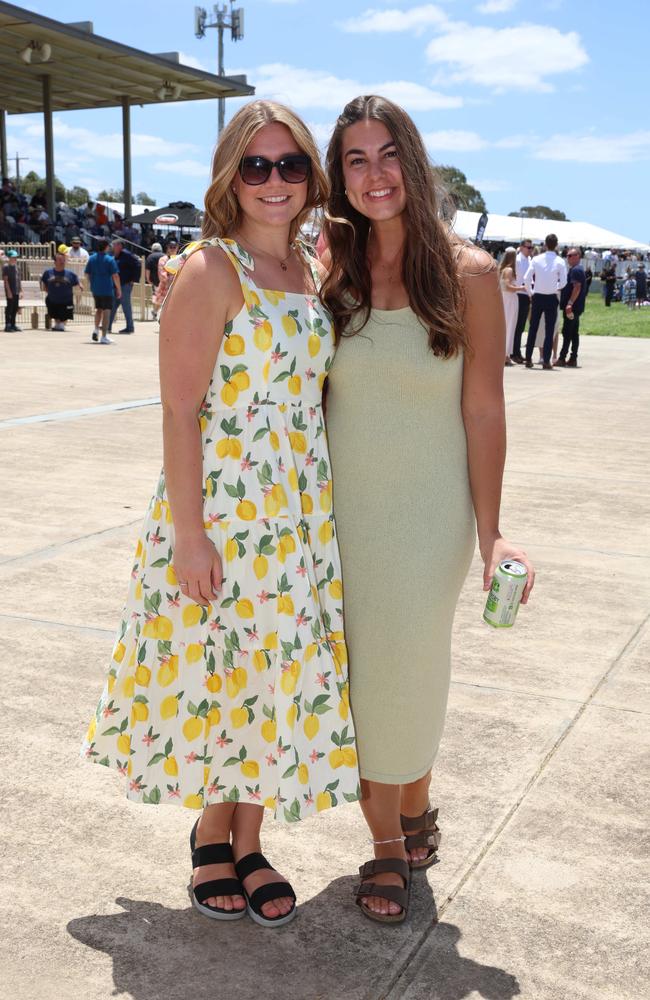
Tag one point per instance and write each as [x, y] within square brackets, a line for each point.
[474, 262]
[210, 264]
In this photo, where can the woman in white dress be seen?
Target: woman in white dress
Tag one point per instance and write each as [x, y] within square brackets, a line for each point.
[509, 290]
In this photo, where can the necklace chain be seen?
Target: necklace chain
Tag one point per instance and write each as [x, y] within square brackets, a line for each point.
[282, 262]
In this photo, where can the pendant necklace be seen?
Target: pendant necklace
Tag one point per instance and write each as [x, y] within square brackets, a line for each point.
[282, 263]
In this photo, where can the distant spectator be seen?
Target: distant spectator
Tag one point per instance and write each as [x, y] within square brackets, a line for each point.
[151, 273]
[629, 290]
[641, 279]
[130, 268]
[510, 290]
[164, 277]
[13, 287]
[546, 276]
[58, 283]
[572, 302]
[523, 299]
[104, 278]
[608, 278]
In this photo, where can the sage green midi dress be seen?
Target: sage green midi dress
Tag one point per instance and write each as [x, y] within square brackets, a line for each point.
[406, 532]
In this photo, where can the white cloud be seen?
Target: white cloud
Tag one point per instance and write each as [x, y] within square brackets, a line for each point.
[73, 139]
[454, 140]
[188, 60]
[496, 6]
[504, 57]
[321, 133]
[308, 88]
[187, 168]
[591, 148]
[417, 19]
[490, 184]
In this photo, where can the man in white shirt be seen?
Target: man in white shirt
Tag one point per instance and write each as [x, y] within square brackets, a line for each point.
[523, 298]
[76, 256]
[545, 278]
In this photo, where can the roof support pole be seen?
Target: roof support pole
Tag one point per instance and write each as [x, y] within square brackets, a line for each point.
[126, 152]
[4, 159]
[49, 148]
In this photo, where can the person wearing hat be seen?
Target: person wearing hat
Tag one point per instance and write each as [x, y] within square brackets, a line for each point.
[12, 283]
[151, 273]
[164, 277]
[77, 252]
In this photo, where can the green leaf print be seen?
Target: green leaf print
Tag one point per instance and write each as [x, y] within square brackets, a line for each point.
[290, 771]
[232, 795]
[156, 759]
[292, 815]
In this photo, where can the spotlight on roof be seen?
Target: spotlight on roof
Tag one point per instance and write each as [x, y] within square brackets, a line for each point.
[168, 90]
[42, 49]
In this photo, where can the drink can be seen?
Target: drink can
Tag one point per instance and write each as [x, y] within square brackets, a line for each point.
[508, 585]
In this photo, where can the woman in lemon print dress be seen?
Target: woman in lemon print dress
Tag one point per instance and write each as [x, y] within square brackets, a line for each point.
[228, 688]
[417, 437]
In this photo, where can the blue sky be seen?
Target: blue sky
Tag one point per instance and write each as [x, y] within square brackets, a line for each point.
[538, 102]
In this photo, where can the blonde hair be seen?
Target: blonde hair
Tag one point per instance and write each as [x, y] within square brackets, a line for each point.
[222, 210]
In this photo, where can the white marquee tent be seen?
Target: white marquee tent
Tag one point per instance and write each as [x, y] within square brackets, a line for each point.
[509, 229]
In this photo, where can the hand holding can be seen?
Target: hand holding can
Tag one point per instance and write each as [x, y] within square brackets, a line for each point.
[508, 585]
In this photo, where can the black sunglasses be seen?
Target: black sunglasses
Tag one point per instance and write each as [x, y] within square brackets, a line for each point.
[294, 168]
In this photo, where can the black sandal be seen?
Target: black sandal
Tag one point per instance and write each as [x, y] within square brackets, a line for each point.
[274, 890]
[428, 836]
[214, 854]
[391, 892]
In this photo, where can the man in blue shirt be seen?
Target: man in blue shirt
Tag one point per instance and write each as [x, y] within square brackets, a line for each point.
[129, 267]
[104, 280]
[58, 283]
[572, 302]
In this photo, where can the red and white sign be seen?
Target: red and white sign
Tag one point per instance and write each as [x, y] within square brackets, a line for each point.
[165, 220]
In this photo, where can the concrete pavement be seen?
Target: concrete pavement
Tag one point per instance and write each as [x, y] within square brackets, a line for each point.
[542, 781]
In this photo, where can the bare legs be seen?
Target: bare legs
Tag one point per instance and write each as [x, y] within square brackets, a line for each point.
[216, 825]
[381, 805]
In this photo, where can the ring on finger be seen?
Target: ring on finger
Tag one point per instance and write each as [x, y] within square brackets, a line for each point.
[182, 583]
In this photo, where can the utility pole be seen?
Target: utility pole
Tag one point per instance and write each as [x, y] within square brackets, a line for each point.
[19, 160]
[224, 19]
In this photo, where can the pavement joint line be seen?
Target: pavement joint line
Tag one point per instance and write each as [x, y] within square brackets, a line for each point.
[86, 411]
[539, 696]
[95, 629]
[537, 473]
[588, 551]
[52, 551]
[514, 808]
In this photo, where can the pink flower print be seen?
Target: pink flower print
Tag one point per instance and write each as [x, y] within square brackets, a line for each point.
[156, 538]
[301, 619]
[255, 794]
[309, 459]
[310, 374]
[252, 635]
[312, 412]
[174, 793]
[148, 739]
[282, 750]
[190, 757]
[135, 786]
[301, 570]
[108, 711]
[281, 466]
[215, 518]
[313, 756]
[276, 356]
[250, 414]
[309, 800]
[221, 741]
[216, 625]
[270, 759]
[174, 602]
[322, 679]
[246, 464]
[263, 596]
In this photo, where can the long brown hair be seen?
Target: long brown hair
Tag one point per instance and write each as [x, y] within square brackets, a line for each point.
[222, 211]
[509, 260]
[431, 252]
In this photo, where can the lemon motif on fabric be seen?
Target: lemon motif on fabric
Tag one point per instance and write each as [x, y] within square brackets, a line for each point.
[248, 699]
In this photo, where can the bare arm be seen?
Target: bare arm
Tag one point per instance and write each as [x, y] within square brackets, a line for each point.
[483, 409]
[510, 281]
[118, 285]
[191, 330]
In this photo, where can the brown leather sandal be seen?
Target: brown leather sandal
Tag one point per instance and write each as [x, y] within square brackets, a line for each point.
[391, 892]
[428, 836]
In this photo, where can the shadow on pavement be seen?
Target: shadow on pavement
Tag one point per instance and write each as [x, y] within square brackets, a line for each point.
[330, 952]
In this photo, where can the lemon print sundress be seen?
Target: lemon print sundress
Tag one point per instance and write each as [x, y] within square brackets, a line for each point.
[245, 700]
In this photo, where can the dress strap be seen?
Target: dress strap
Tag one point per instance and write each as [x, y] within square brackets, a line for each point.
[240, 260]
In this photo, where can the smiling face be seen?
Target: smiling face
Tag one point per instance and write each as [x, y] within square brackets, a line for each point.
[372, 171]
[276, 202]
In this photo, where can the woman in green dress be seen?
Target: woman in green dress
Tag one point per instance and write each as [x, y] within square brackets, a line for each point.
[416, 427]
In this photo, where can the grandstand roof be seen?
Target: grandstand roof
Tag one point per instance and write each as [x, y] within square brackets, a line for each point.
[88, 71]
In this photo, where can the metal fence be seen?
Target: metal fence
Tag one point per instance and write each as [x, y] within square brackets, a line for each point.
[34, 258]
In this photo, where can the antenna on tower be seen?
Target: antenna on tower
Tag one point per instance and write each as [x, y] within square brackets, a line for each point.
[233, 19]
